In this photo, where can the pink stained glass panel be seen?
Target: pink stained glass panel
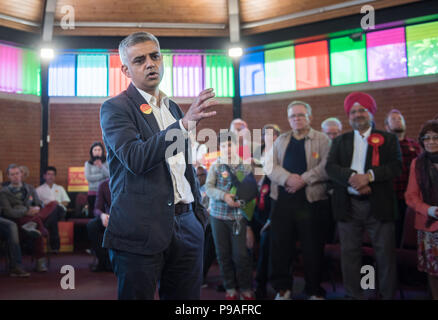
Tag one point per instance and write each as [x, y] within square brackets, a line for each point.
[10, 69]
[386, 54]
[187, 75]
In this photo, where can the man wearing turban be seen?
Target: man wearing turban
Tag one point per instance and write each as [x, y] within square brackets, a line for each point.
[362, 165]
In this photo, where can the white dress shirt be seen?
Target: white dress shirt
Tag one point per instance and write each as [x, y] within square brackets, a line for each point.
[177, 163]
[55, 193]
[360, 148]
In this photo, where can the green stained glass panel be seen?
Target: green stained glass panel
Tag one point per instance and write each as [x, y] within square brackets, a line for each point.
[348, 61]
[280, 70]
[422, 47]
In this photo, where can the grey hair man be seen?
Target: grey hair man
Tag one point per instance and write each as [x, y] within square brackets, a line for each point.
[332, 127]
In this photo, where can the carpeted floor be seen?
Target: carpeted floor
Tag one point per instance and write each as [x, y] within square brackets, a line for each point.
[103, 286]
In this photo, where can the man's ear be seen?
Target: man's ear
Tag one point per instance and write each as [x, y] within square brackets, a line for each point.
[125, 71]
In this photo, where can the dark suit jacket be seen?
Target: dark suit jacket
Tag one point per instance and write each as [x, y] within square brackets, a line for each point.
[383, 198]
[142, 210]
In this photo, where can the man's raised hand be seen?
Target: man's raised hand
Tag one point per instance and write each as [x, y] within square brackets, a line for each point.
[198, 109]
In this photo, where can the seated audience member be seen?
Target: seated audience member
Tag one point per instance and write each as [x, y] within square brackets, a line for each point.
[96, 171]
[422, 196]
[9, 233]
[20, 202]
[231, 232]
[96, 227]
[51, 192]
[332, 127]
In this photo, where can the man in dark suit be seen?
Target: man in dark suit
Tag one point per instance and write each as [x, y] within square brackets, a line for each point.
[362, 165]
[156, 230]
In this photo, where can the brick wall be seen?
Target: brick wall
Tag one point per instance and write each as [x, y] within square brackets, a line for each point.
[73, 127]
[20, 134]
[418, 103]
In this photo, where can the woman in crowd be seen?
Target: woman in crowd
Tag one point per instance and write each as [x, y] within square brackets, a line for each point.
[96, 171]
[422, 196]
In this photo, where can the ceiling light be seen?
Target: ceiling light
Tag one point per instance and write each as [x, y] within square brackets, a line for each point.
[235, 52]
[47, 53]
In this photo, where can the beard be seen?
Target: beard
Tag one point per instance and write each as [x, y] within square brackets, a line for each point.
[398, 130]
[360, 123]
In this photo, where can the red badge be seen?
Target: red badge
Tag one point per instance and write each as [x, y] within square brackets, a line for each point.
[315, 155]
[263, 191]
[145, 108]
[376, 140]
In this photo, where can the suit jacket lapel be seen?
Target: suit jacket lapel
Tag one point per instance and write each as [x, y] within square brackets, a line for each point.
[174, 110]
[350, 146]
[369, 155]
[138, 100]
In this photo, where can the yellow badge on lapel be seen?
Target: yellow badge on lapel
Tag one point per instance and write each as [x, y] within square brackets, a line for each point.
[145, 108]
[315, 155]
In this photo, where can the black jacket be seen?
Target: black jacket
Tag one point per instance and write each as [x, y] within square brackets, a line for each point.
[383, 197]
[142, 210]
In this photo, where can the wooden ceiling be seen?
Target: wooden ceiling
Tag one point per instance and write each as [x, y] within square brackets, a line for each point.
[192, 17]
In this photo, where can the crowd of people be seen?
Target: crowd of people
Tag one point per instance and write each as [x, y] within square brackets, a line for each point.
[321, 185]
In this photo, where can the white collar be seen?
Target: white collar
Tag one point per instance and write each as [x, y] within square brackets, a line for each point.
[151, 99]
[365, 135]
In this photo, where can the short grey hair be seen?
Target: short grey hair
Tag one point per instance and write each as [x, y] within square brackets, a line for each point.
[12, 166]
[300, 103]
[331, 122]
[132, 40]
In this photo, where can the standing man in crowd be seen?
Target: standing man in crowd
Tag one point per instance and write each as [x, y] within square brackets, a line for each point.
[301, 213]
[331, 127]
[410, 149]
[156, 230]
[362, 165]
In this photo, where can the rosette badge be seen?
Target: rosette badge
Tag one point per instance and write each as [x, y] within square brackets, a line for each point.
[376, 140]
[145, 108]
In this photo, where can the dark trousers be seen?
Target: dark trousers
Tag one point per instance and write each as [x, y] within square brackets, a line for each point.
[399, 223]
[295, 219]
[232, 254]
[47, 223]
[9, 232]
[95, 235]
[383, 241]
[91, 200]
[262, 271]
[209, 250]
[178, 269]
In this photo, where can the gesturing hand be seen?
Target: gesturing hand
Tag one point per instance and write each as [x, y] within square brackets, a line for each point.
[197, 110]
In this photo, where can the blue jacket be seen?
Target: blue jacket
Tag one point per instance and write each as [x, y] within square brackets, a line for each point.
[142, 210]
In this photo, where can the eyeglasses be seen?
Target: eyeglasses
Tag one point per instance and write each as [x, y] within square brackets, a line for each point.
[298, 115]
[429, 138]
[362, 110]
